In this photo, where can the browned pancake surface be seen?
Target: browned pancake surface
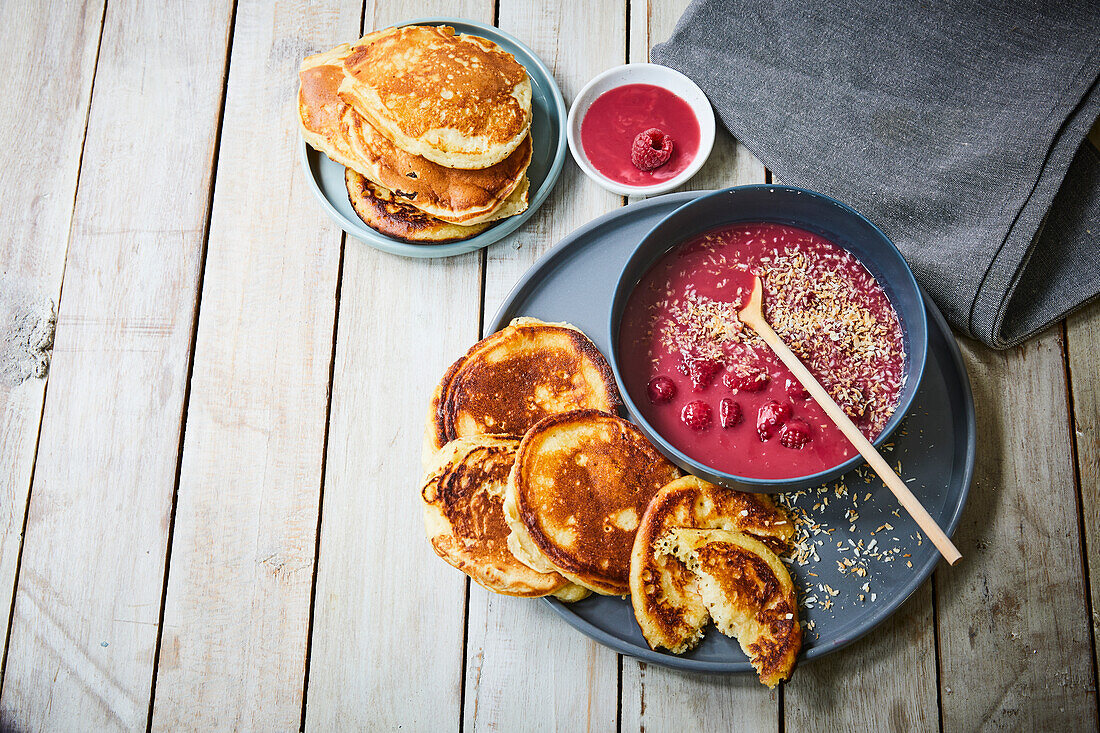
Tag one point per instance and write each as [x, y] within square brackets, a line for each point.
[510, 380]
[465, 522]
[748, 592]
[331, 125]
[469, 81]
[395, 217]
[746, 577]
[582, 482]
[669, 612]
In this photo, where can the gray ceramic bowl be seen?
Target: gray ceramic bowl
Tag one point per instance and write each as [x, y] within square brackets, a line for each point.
[807, 210]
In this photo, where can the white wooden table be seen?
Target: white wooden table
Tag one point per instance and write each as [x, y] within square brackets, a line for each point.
[210, 516]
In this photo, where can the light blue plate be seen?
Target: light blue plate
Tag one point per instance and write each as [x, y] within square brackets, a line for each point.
[547, 156]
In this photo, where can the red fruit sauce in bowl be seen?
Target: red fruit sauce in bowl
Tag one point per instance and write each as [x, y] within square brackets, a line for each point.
[713, 395]
[617, 116]
[640, 129]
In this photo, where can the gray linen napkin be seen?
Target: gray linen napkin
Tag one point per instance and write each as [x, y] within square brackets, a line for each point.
[958, 127]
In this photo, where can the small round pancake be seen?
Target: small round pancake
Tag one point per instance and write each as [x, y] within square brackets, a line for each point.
[510, 380]
[462, 497]
[394, 216]
[579, 487]
[749, 594]
[332, 126]
[457, 100]
[666, 606]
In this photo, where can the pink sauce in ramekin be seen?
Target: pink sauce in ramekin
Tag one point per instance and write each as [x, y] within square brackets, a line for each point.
[618, 115]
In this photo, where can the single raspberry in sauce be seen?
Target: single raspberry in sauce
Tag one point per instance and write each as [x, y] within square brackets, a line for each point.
[696, 415]
[772, 414]
[794, 434]
[729, 412]
[651, 149]
[700, 371]
[746, 381]
[796, 390]
[661, 390]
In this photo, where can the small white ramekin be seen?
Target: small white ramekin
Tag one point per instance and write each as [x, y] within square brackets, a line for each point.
[657, 75]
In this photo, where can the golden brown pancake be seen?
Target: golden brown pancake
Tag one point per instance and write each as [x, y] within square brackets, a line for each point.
[457, 100]
[748, 592]
[667, 607]
[462, 496]
[578, 490]
[330, 125]
[510, 380]
[395, 217]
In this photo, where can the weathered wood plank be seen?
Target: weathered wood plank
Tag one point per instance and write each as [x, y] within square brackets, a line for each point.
[91, 579]
[525, 666]
[235, 631]
[388, 615]
[37, 187]
[654, 698]
[659, 700]
[1013, 632]
[1083, 350]
[1083, 347]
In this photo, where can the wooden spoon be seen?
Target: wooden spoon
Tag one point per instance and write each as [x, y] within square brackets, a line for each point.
[752, 315]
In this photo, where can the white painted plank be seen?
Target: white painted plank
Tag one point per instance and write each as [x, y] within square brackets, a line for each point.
[655, 698]
[233, 648]
[577, 41]
[37, 187]
[1013, 631]
[525, 668]
[90, 584]
[388, 616]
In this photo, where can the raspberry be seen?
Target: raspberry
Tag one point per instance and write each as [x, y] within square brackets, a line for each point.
[651, 149]
[661, 390]
[700, 371]
[796, 390]
[770, 417]
[696, 415]
[794, 434]
[729, 412]
[746, 381]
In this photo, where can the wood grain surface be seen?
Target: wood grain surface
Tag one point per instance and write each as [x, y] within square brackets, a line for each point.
[87, 606]
[525, 667]
[1083, 347]
[236, 616]
[210, 514]
[388, 616]
[655, 698]
[1015, 648]
[37, 190]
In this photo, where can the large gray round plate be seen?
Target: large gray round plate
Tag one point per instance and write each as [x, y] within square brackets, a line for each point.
[548, 144]
[935, 446]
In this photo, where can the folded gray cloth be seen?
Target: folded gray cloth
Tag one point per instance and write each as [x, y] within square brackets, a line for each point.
[958, 127]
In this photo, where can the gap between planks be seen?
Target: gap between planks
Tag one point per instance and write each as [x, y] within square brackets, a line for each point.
[45, 387]
[190, 364]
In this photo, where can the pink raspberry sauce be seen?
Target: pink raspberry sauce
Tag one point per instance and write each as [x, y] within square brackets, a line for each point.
[817, 296]
[617, 116]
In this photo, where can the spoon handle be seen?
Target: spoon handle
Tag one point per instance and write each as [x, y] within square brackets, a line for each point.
[870, 454]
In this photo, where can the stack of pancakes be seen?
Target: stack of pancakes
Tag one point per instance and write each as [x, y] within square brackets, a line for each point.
[535, 487]
[432, 127]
